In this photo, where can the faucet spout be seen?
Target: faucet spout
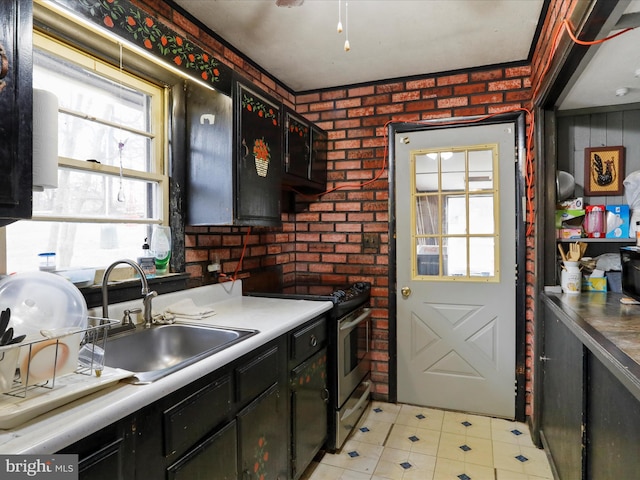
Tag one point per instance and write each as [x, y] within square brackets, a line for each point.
[147, 295]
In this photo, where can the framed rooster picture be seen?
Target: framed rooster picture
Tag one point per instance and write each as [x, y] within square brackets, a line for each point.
[603, 171]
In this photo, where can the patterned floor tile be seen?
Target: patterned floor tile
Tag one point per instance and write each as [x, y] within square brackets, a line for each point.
[420, 417]
[454, 470]
[461, 448]
[328, 472]
[466, 424]
[414, 439]
[416, 443]
[371, 431]
[357, 456]
[521, 459]
[506, 431]
[403, 465]
[382, 412]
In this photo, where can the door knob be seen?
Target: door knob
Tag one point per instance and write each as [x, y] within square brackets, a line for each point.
[406, 291]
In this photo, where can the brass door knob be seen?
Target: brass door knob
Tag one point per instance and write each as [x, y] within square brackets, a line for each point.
[406, 291]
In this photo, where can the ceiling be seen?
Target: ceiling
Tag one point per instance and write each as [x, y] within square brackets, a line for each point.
[612, 65]
[300, 45]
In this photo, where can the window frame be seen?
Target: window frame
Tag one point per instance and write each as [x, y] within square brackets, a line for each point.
[158, 135]
[441, 200]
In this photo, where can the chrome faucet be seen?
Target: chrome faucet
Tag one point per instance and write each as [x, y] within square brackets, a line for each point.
[147, 295]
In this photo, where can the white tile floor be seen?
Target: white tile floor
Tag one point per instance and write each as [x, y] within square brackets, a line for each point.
[415, 443]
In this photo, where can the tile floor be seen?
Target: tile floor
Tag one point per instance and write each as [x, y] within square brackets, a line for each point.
[416, 443]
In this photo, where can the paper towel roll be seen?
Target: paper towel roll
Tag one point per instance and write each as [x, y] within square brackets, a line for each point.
[45, 140]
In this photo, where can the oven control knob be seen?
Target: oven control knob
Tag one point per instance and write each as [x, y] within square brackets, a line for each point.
[406, 291]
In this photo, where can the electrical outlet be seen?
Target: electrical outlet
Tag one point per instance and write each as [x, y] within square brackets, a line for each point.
[370, 240]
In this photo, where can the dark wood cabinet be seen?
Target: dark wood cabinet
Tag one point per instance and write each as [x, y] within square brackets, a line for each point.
[234, 159]
[613, 428]
[309, 394]
[107, 454]
[16, 105]
[563, 394]
[216, 455]
[590, 406]
[305, 155]
[263, 437]
[258, 156]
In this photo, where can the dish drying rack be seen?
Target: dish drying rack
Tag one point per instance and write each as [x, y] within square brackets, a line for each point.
[88, 358]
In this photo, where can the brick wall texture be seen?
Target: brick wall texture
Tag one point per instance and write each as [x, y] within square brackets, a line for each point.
[323, 236]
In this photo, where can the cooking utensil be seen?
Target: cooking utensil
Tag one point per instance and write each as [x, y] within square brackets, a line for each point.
[562, 254]
[574, 252]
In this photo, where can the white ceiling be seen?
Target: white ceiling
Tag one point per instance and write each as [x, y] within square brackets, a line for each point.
[301, 47]
[610, 66]
[389, 39]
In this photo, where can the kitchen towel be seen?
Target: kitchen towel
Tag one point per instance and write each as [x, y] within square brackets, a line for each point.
[188, 309]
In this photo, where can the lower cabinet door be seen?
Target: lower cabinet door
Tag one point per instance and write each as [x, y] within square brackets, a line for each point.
[215, 458]
[263, 429]
[309, 398]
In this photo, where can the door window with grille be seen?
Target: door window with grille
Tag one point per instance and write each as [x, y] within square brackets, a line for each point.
[454, 217]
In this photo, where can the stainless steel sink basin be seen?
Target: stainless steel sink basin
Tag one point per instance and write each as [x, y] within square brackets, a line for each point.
[156, 352]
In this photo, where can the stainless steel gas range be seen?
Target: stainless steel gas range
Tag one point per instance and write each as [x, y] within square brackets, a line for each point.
[348, 351]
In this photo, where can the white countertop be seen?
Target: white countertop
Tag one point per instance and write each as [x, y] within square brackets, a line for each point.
[67, 424]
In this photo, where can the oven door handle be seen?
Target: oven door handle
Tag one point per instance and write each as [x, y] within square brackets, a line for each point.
[346, 326]
[363, 399]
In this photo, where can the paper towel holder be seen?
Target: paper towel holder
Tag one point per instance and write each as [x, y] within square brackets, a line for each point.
[45, 140]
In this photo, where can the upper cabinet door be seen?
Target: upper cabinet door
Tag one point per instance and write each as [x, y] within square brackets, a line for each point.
[16, 105]
[258, 157]
[305, 156]
[297, 146]
[318, 166]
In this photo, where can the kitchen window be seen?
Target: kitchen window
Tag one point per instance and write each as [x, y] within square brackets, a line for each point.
[454, 214]
[112, 177]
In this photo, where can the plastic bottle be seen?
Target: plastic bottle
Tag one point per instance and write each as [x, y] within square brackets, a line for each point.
[161, 248]
[147, 261]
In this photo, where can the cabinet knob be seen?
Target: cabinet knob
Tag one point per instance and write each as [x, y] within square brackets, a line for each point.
[313, 341]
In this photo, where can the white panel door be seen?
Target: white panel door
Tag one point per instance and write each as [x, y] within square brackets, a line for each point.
[456, 268]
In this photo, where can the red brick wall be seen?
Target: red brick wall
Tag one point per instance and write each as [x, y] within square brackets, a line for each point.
[324, 237]
[329, 232]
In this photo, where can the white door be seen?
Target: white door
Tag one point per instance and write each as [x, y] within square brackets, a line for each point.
[456, 268]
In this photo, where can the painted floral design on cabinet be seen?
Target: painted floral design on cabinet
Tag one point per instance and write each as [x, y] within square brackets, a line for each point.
[136, 26]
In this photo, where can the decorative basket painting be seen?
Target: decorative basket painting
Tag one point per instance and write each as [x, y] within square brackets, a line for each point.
[262, 156]
[603, 170]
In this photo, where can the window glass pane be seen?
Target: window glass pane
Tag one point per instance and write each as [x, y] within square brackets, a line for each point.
[427, 215]
[455, 215]
[481, 219]
[95, 195]
[480, 170]
[428, 257]
[455, 263]
[84, 91]
[453, 171]
[481, 256]
[426, 173]
[81, 139]
[75, 244]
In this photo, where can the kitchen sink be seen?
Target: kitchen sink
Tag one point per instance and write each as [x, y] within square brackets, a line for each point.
[153, 353]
